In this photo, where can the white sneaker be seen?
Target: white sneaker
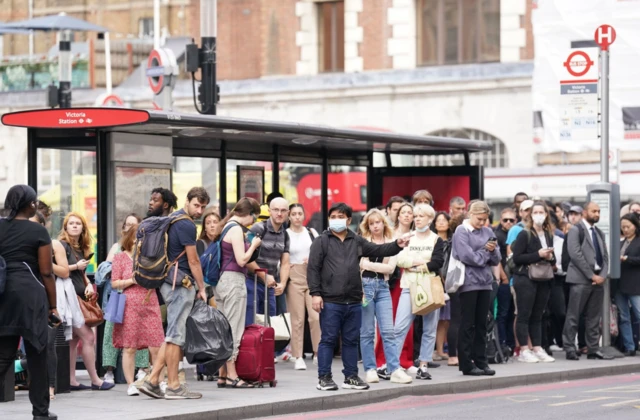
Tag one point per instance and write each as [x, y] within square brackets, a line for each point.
[315, 360]
[412, 370]
[132, 391]
[543, 356]
[400, 377]
[163, 386]
[527, 356]
[371, 377]
[286, 356]
[300, 364]
[555, 348]
[140, 375]
[108, 377]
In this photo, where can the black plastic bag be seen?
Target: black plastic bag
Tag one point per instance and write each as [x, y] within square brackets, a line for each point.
[209, 339]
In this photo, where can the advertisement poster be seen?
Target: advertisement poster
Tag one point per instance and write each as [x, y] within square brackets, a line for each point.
[251, 182]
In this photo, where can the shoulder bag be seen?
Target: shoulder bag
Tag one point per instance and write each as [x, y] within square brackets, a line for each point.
[542, 270]
[91, 311]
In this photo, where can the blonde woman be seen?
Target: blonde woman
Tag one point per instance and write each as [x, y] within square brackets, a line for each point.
[376, 305]
[425, 254]
[76, 239]
[474, 245]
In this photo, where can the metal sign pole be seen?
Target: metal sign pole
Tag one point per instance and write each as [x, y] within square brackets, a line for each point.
[605, 36]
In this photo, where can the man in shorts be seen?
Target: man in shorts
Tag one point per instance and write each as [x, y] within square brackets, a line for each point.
[181, 247]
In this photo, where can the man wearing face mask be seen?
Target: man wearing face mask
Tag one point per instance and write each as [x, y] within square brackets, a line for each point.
[587, 272]
[335, 285]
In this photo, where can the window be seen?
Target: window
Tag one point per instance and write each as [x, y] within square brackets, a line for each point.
[331, 36]
[497, 157]
[458, 31]
[145, 28]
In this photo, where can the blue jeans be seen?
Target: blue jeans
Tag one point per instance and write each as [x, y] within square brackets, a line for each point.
[260, 300]
[378, 307]
[625, 304]
[404, 319]
[337, 320]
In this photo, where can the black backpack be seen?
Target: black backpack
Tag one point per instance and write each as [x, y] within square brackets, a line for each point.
[495, 354]
[150, 260]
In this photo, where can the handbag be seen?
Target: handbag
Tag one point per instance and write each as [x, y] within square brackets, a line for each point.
[114, 311]
[455, 275]
[427, 294]
[91, 311]
[540, 271]
[279, 323]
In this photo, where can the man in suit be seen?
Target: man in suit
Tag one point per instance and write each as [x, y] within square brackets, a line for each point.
[587, 272]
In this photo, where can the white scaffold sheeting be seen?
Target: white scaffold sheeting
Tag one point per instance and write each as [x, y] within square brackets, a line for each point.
[564, 103]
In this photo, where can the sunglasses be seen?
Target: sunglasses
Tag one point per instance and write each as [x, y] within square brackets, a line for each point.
[509, 220]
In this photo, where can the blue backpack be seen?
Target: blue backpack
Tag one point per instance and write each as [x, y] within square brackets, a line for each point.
[210, 259]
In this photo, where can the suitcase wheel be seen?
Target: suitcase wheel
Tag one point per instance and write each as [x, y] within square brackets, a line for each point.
[260, 384]
[273, 384]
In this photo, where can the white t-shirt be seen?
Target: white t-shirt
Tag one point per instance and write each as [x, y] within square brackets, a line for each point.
[299, 245]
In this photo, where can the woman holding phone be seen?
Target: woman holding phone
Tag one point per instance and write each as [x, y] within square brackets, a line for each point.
[534, 245]
[76, 239]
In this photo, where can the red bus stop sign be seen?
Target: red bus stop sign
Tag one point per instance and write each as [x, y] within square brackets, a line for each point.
[605, 35]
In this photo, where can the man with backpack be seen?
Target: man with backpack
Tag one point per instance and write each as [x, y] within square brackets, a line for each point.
[162, 202]
[178, 292]
[335, 285]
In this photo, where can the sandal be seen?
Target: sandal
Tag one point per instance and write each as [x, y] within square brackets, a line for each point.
[222, 384]
[235, 383]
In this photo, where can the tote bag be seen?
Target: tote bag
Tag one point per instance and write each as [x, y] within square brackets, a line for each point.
[427, 294]
[115, 307]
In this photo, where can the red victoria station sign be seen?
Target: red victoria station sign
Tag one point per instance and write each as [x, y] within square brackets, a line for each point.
[75, 118]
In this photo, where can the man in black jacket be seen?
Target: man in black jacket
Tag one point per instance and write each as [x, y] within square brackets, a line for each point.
[335, 285]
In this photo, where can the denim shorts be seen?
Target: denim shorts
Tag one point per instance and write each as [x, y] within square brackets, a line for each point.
[179, 303]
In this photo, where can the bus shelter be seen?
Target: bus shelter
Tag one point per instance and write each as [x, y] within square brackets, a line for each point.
[104, 162]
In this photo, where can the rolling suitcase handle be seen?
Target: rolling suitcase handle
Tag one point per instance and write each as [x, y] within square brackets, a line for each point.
[266, 297]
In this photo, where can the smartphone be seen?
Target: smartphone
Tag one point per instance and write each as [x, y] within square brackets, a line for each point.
[89, 257]
[493, 239]
[53, 320]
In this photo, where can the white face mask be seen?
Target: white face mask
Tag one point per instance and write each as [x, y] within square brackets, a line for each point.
[538, 219]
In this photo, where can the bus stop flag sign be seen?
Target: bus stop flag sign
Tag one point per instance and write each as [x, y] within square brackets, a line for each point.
[605, 36]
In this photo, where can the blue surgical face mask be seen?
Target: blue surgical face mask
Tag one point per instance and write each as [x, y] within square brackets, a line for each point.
[423, 229]
[338, 225]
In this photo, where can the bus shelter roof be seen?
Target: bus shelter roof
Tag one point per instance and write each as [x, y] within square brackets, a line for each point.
[240, 131]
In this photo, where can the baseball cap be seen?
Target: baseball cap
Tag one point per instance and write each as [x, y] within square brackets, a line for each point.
[526, 204]
[575, 209]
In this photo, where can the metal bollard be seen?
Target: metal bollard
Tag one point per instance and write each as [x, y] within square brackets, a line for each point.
[62, 372]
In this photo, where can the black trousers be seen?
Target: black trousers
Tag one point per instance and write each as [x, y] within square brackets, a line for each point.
[532, 297]
[37, 368]
[472, 338]
[454, 325]
[583, 299]
[52, 361]
[557, 309]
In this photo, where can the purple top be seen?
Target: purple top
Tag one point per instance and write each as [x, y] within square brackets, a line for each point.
[228, 260]
[468, 248]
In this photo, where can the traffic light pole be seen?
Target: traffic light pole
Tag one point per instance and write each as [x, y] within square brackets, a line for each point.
[64, 70]
[203, 59]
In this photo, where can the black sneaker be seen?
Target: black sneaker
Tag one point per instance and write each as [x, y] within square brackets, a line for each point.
[423, 373]
[383, 373]
[325, 383]
[354, 382]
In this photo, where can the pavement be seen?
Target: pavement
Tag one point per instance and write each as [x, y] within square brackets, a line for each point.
[296, 393]
[596, 398]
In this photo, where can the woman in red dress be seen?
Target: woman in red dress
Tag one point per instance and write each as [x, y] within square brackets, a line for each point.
[141, 326]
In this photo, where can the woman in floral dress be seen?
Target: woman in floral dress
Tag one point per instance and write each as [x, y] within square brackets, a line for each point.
[141, 327]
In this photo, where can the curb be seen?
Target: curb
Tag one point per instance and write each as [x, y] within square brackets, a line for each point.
[338, 401]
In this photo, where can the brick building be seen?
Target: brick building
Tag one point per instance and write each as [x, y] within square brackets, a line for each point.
[453, 67]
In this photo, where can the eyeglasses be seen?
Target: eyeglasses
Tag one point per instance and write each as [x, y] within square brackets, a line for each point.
[279, 211]
[508, 220]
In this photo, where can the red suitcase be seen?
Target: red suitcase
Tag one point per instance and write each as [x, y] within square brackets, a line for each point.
[255, 362]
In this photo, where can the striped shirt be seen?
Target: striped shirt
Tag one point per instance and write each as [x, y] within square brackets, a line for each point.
[274, 244]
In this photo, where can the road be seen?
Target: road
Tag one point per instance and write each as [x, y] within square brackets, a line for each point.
[616, 397]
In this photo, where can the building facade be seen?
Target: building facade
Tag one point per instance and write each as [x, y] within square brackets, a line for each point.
[448, 67]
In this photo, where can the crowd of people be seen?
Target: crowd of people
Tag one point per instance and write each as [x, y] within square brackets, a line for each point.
[542, 265]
